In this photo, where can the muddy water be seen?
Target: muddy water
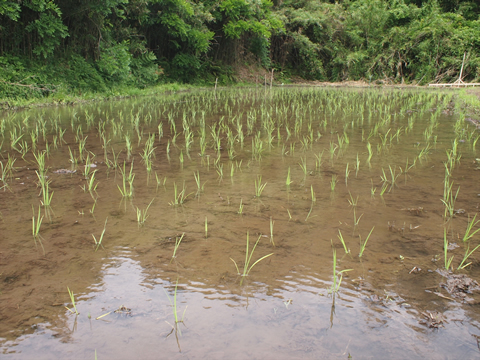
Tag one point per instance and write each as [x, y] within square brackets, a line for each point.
[285, 307]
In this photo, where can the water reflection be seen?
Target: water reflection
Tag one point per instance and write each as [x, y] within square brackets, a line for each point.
[129, 313]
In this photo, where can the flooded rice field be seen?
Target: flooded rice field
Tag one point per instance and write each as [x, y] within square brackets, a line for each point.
[286, 223]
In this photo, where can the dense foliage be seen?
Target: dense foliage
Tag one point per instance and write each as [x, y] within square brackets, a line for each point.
[74, 46]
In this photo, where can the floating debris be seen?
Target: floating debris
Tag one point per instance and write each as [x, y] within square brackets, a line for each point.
[415, 210]
[460, 285]
[432, 319]
[64, 171]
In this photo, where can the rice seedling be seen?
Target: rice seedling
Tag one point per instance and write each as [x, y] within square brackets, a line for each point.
[383, 189]
[423, 154]
[128, 145]
[45, 191]
[292, 149]
[98, 242]
[259, 187]
[219, 171]
[175, 312]
[206, 227]
[240, 208]
[474, 143]
[289, 215]
[448, 262]
[142, 215]
[200, 187]
[271, 231]
[24, 148]
[333, 182]
[393, 176]
[34, 138]
[289, 181]
[257, 147]
[160, 130]
[364, 244]
[303, 166]
[3, 177]
[127, 178]
[188, 139]
[356, 220]
[340, 236]
[91, 186]
[314, 200]
[15, 139]
[178, 240]
[318, 161]
[448, 198]
[40, 159]
[248, 257]
[160, 181]
[337, 275]
[81, 147]
[179, 197]
[92, 210]
[148, 152]
[466, 241]
[332, 149]
[73, 159]
[114, 163]
[105, 144]
[36, 224]
[370, 154]
[347, 173]
[72, 300]
[352, 201]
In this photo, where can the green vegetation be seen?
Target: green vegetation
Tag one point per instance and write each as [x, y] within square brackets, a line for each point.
[61, 52]
[248, 257]
[98, 242]
[72, 300]
[337, 275]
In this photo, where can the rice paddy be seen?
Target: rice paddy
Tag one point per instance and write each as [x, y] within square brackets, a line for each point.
[380, 185]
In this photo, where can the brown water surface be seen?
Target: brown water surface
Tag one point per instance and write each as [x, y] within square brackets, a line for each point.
[285, 307]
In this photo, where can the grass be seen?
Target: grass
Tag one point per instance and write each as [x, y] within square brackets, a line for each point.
[248, 258]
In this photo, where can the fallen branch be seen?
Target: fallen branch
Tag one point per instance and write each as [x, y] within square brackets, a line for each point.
[30, 86]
